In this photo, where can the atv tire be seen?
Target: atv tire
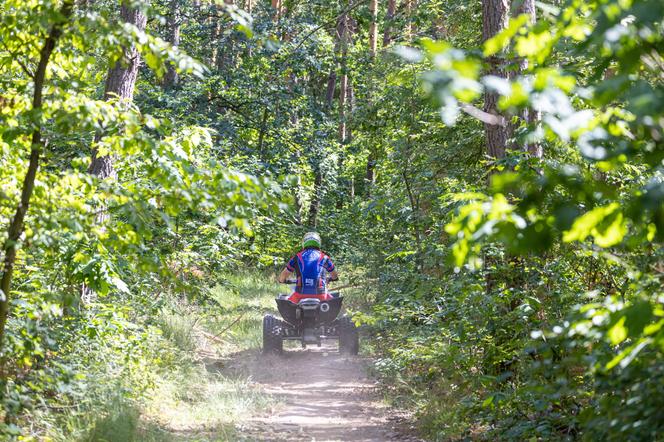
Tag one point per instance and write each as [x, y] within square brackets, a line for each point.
[349, 338]
[272, 339]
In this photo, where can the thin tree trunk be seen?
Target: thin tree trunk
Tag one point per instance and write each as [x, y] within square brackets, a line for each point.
[174, 21]
[315, 202]
[216, 33]
[331, 87]
[415, 209]
[409, 6]
[277, 6]
[261, 134]
[343, 95]
[16, 226]
[292, 89]
[495, 16]
[373, 28]
[528, 115]
[373, 48]
[350, 108]
[344, 35]
[387, 33]
[370, 171]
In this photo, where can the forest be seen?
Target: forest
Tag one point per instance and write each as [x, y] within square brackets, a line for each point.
[488, 176]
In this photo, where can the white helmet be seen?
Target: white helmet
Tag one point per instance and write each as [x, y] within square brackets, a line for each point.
[311, 239]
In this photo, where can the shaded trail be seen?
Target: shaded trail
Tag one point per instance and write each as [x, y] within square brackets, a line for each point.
[323, 396]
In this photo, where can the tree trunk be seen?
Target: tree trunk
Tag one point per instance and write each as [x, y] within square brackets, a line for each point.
[277, 6]
[370, 171]
[331, 87]
[120, 83]
[216, 33]
[344, 35]
[174, 22]
[387, 33]
[373, 47]
[373, 28]
[495, 16]
[409, 6]
[343, 95]
[528, 115]
[261, 134]
[16, 227]
[315, 202]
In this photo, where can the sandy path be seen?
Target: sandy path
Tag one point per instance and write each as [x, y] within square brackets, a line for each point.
[323, 396]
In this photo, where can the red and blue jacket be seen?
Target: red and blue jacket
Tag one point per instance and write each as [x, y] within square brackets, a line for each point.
[311, 266]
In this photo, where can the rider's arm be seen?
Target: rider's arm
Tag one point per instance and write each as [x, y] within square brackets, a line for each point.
[331, 269]
[290, 268]
[283, 276]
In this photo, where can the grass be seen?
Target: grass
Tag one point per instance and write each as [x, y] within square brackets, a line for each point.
[243, 300]
[198, 401]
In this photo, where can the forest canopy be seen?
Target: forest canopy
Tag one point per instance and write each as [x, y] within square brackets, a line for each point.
[492, 171]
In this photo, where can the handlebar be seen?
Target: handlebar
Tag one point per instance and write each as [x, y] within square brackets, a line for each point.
[294, 281]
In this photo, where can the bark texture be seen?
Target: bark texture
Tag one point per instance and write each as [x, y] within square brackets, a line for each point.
[120, 83]
[315, 202]
[331, 87]
[216, 33]
[409, 6]
[391, 10]
[171, 77]
[495, 16]
[373, 28]
[344, 33]
[277, 6]
[528, 115]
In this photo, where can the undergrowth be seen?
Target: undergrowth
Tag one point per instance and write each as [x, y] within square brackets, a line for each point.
[162, 378]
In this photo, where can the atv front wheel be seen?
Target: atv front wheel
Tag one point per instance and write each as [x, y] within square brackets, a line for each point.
[272, 339]
[349, 339]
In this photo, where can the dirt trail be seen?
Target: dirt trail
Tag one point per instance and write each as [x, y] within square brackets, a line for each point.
[323, 396]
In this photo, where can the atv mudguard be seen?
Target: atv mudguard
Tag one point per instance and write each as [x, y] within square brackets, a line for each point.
[288, 309]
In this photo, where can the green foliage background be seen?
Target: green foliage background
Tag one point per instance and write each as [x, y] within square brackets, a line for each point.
[507, 298]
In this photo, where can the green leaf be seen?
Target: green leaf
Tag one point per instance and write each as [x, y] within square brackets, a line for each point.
[499, 42]
[625, 357]
[617, 333]
[637, 316]
[605, 223]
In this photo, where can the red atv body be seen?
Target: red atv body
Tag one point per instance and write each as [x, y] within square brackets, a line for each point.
[309, 319]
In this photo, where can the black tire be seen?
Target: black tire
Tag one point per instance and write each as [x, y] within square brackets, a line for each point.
[272, 339]
[349, 338]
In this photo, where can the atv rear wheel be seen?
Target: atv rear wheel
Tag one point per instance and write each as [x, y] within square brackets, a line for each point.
[272, 335]
[349, 339]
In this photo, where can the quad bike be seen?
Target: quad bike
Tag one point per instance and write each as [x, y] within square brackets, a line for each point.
[309, 319]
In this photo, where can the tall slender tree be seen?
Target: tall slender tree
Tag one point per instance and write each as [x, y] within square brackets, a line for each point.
[174, 22]
[391, 11]
[37, 145]
[373, 28]
[495, 16]
[528, 115]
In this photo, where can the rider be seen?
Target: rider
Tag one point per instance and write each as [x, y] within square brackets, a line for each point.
[310, 265]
